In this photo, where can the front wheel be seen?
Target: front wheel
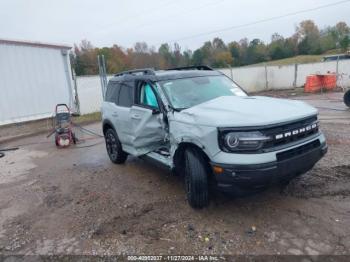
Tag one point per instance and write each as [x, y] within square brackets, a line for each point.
[196, 179]
[347, 98]
[114, 147]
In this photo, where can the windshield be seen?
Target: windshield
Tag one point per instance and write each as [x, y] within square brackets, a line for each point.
[188, 92]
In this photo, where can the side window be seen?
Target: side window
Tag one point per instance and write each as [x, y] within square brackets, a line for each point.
[147, 96]
[126, 95]
[112, 92]
[109, 92]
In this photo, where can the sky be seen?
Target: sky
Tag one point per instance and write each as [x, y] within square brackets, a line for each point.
[124, 22]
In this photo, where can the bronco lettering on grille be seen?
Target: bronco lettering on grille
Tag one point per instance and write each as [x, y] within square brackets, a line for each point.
[296, 131]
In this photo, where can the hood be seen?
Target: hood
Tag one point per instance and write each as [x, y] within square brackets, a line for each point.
[235, 111]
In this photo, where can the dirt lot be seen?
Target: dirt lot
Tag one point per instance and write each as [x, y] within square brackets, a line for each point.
[75, 201]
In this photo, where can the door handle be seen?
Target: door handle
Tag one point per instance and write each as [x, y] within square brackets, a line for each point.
[115, 114]
[135, 116]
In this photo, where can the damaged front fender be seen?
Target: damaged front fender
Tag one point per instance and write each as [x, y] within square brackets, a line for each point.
[183, 129]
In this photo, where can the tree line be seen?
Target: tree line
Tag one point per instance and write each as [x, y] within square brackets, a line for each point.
[308, 39]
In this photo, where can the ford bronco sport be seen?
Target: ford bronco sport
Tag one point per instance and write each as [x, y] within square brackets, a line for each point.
[202, 125]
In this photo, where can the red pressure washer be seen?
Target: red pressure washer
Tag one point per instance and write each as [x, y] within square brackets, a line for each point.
[63, 126]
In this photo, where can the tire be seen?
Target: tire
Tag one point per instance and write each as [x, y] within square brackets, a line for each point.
[196, 179]
[56, 141]
[74, 138]
[347, 98]
[114, 147]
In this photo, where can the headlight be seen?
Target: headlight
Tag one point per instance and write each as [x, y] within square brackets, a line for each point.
[242, 141]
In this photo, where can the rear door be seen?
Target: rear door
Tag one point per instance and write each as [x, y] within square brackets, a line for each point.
[109, 108]
[119, 99]
[147, 126]
[123, 107]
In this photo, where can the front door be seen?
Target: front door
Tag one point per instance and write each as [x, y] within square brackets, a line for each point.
[147, 125]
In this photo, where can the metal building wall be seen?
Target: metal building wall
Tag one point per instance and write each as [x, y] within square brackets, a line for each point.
[33, 79]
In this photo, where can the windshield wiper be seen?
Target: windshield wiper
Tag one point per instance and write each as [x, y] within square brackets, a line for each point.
[178, 109]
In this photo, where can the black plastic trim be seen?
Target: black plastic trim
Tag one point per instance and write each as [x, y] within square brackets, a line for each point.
[262, 175]
[260, 128]
[199, 67]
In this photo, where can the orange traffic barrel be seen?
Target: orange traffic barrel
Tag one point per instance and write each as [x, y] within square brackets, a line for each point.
[313, 84]
[330, 81]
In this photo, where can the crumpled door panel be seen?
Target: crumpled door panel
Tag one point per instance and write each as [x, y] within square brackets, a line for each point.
[147, 130]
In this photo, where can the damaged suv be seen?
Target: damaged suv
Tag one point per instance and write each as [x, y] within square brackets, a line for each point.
[202, 125]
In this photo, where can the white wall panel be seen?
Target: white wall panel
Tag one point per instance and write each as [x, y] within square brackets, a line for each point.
[280, 77]
[32, 81]
[90, 94]
[344, 68]
[250, 78]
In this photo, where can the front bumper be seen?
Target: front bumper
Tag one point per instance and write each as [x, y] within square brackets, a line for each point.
[291, 163]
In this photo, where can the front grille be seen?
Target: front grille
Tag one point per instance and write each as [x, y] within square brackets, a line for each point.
[298, 150]
[291, 132]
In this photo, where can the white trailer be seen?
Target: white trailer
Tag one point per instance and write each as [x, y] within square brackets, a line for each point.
[34, 77]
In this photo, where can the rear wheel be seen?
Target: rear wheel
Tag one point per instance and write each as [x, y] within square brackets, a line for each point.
[196, 179]
[347, 98]
[114, 147]
[56, 140]
[74, 138]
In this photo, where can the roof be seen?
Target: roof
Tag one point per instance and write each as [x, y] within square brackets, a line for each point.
[177, 74]
[35, 44]
[161, 75]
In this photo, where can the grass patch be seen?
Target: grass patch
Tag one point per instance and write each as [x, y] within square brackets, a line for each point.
[88, 118]
[300, 59]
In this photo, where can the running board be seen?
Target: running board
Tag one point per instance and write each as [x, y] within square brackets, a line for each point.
[158, 158]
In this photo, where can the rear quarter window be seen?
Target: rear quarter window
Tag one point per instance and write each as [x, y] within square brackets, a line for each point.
[126, 96]
[112, 92]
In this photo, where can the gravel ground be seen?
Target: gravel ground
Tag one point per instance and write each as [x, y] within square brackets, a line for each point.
[75, 201]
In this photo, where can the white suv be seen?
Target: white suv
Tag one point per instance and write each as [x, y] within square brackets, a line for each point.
[200, 123]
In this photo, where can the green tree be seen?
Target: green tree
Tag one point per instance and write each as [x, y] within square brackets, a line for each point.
[344, 43]
[308, 38]
[207, 53]
[256, 52]
[218, 45]
[177, 55]
[197, 58]
[342, 32]
[222, 59]
[327, 39]
[244, 51]
[277, 47]
[187, 57]
[85, 58]
[234, 49]
[165, 55]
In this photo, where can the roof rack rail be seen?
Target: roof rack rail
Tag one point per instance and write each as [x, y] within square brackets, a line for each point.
[200, 67]
[145, 71]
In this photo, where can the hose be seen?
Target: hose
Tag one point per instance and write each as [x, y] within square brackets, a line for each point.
[2, 154]
[86, 130]
[78, 147]
[89, 132]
